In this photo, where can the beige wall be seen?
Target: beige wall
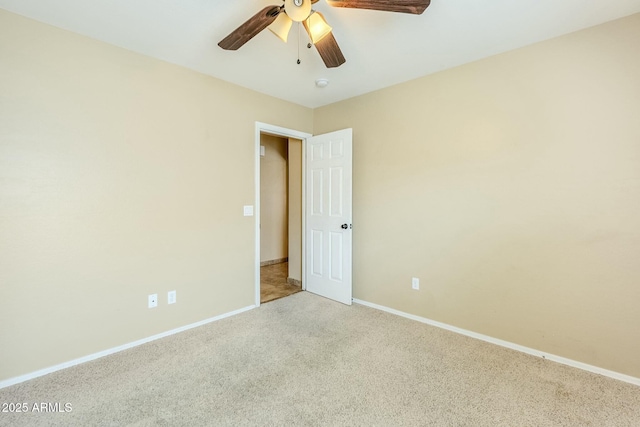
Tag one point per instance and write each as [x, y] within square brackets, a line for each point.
[273, 199]
[120, 176]
[295, 208]
[511, 188]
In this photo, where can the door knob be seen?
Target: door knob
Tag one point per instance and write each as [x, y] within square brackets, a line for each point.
[344, 226]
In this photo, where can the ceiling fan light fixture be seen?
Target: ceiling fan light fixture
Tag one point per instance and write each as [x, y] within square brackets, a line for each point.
[317, 27]
[281, 26]
[298, 10]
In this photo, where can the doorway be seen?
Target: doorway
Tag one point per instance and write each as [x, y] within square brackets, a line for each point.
[275, 261]
[326, 211]
[280, 217]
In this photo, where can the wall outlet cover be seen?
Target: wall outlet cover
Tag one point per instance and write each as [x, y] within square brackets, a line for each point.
[153, 300]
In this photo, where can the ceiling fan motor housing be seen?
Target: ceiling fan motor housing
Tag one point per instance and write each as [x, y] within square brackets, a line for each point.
[297, 10]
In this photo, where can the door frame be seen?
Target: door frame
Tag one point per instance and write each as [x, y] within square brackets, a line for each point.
[286, 133]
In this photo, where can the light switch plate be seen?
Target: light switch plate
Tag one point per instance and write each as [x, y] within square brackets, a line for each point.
[248, 210]
[171, 297]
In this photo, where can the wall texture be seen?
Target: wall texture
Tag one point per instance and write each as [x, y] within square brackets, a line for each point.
[511, 188]
[120, 176]
[274, 183]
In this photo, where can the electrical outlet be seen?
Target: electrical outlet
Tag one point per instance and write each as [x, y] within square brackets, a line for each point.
[153, 300]
[415, 283]
[171, 297]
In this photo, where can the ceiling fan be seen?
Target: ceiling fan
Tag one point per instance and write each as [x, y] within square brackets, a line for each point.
[280, 18]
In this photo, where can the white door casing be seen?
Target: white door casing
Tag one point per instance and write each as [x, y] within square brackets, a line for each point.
[328, 213]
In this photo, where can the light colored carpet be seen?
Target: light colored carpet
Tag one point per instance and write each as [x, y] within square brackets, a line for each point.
[305, 360]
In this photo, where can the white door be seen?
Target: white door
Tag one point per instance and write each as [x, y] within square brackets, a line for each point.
[328, 215]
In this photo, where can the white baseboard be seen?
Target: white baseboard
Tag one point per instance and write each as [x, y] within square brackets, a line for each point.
[507, 344]
[45, 371]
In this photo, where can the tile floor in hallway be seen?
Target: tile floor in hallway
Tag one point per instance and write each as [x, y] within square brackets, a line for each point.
[273, 282]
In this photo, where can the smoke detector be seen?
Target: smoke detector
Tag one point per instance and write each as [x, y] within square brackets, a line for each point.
[322, 83]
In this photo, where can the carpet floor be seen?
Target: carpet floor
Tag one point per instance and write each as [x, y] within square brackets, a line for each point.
[305, 360]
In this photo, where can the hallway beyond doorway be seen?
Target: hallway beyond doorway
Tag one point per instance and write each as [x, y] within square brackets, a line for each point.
[273, 282]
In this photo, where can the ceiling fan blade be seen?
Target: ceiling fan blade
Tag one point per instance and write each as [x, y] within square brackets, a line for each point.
[330, 51]
[251, 28]
[403, 6]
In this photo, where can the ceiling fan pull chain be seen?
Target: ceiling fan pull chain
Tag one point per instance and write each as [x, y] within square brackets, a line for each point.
[298, 44]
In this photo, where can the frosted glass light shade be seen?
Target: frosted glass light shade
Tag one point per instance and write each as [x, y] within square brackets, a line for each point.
[297, 13]
[317, 27]
[281, 26]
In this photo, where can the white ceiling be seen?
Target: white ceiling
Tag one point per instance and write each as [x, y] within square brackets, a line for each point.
[381, 48]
